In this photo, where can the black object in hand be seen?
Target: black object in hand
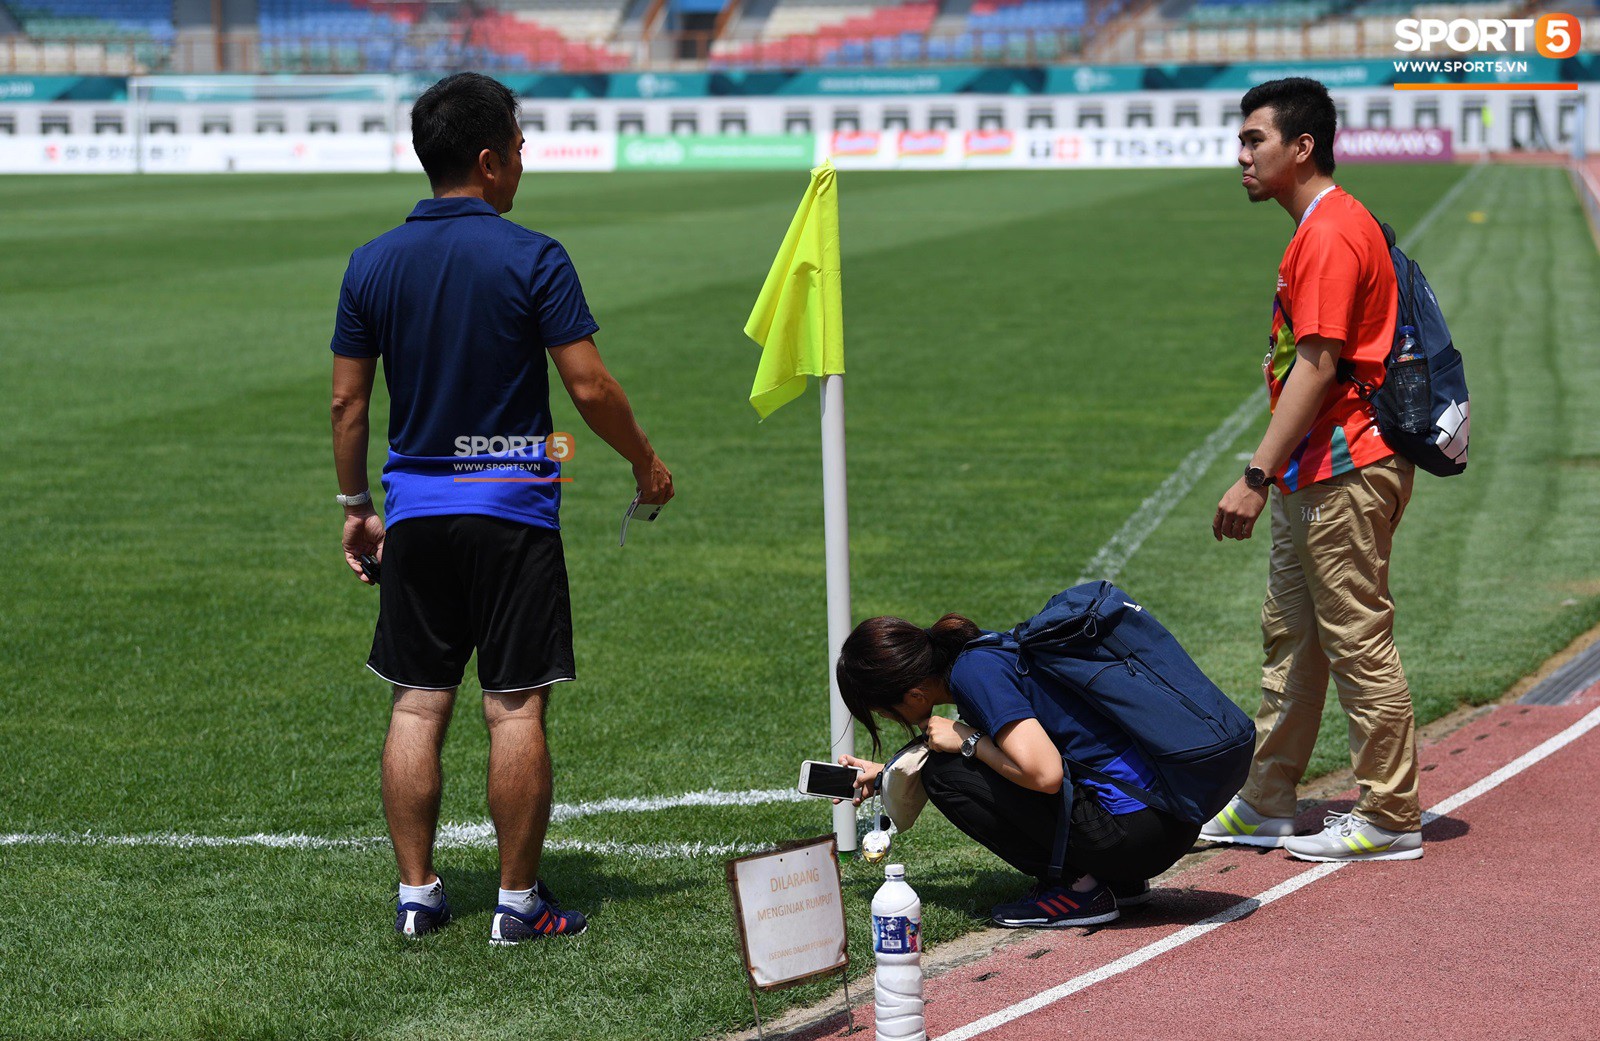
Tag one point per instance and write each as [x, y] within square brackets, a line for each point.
[369, 564]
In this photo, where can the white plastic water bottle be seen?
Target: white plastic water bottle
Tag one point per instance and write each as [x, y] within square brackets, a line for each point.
[1413, 392]
[897, 943]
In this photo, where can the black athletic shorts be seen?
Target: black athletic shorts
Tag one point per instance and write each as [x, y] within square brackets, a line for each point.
[453, 583]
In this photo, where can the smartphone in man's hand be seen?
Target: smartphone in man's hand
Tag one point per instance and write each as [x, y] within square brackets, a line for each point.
[645, 511]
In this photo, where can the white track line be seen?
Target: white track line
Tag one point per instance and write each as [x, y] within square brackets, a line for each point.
[1111, 558]
[459, 835]
[1277, 892]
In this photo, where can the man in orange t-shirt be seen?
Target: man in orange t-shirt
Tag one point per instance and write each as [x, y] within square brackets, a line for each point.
[1340, 492]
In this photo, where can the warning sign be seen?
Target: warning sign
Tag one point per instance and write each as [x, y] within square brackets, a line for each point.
[790, 911]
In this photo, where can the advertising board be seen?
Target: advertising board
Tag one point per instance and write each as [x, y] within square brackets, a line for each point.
[1431, 145]
[732, 152]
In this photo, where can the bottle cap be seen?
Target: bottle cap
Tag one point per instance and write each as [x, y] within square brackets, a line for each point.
[1408, 328]
[894, 871]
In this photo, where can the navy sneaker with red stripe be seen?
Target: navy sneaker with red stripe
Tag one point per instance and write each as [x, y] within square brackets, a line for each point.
[512, 927]
[1057, 907]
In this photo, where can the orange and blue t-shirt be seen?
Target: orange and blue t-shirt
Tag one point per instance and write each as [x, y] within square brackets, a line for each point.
[1335, 280]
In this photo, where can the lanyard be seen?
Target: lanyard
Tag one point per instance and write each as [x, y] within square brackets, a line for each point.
[1313, 207]
[1303, 218]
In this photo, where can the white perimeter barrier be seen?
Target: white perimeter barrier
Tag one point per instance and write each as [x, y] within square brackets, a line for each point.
[268, 153]
[853, 150]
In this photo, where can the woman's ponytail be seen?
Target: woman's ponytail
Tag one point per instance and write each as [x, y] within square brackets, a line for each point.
[949, 635]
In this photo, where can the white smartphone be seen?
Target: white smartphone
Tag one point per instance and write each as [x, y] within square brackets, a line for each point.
[644, 511]
[828, 780]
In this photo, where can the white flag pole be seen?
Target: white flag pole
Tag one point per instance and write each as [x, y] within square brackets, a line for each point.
[836, 547]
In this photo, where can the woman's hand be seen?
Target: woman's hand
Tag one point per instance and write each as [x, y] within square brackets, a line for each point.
[946, 735]
[866, 780]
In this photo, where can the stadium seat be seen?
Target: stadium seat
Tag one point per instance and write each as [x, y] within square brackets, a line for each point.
[580, 35]
[49, 20]
[834, 32]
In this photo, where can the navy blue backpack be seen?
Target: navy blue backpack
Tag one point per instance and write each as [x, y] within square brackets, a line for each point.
[1421, 405]
[1099, 642]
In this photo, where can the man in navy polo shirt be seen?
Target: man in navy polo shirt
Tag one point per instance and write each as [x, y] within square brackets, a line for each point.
[462, 306]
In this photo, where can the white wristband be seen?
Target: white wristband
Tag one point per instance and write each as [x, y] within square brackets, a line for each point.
[360, 499]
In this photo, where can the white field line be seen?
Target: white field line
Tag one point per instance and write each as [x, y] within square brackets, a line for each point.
[709, 797]
[1439, 207]
[658, 850]
[181, 840]
[1277, 892]
[1109, 560]
[178, 840]
[459, 835]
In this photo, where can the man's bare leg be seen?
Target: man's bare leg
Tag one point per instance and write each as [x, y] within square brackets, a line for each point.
[519, 782]
[412, 779]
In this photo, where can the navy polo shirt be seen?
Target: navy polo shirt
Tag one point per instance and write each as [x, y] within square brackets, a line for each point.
[991, 693]
[462, 304]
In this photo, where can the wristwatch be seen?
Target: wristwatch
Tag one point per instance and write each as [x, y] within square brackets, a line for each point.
[359, 499]
[1256, 477]
[969, 747]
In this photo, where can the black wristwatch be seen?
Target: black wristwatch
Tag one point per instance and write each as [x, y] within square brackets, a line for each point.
[1256, 477]
[969, 747]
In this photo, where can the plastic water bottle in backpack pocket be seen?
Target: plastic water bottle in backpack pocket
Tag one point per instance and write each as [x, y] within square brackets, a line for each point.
[1422, 406]
[1413, 391]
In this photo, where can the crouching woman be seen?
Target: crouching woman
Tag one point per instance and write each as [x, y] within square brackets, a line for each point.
[997, 774]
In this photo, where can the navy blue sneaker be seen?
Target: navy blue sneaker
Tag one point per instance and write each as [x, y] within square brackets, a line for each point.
[412, 920]
[1057, 907]
[1131, 894]
[512, 927]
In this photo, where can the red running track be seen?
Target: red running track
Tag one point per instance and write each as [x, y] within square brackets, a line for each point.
[1493, 934]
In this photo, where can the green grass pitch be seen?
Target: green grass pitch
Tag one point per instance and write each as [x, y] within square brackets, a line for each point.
[1030, 355]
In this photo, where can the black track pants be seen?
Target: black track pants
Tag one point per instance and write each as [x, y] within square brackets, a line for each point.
[1019, 825]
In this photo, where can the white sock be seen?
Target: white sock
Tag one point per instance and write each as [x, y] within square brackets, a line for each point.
[429, 895]
[521, 901]
[1084, 884]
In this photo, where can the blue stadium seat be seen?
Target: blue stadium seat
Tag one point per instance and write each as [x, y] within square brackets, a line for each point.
[66, 19]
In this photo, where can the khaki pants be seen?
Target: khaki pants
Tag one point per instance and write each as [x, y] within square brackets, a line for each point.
[1328, 610]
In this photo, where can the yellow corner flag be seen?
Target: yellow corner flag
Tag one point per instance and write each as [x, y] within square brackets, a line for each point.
[799, 317]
